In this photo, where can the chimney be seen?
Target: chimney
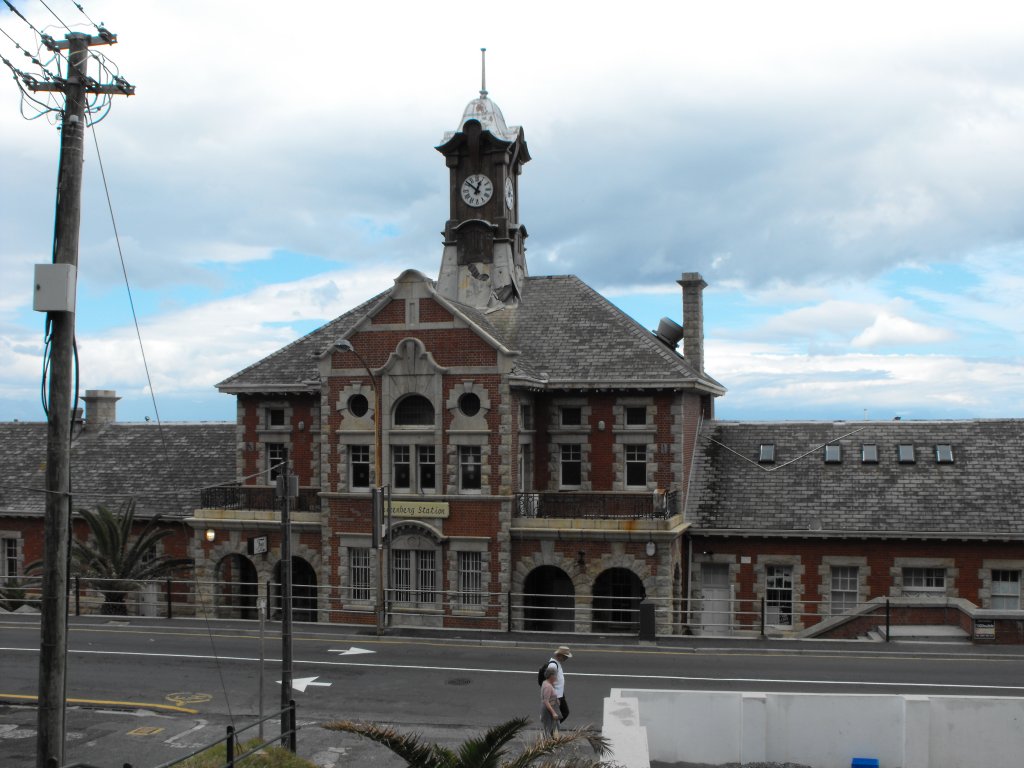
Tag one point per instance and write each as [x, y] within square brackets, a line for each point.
[693, 319]
[100, 407]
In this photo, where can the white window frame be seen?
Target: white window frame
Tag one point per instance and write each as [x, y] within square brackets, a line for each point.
[635, 458]
[470, 457]
[414, 576]
[471, 578]
[631, 411]
[1006, 589]
[924, 581]
[778, 593]
[359, 455]
[575, 414]
[844, 588]
[360, 587]
[570, 454]
[8, 557]
[277, 460]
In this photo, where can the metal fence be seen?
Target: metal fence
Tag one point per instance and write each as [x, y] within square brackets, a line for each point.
[427, 607]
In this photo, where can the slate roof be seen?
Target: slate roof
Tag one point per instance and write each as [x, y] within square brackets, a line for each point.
[567, 334]
[163, 467]
[980, 494]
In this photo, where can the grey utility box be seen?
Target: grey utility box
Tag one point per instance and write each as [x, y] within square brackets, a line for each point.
[55, 288]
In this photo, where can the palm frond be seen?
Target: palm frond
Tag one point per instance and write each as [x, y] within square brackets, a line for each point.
[409, 746]
[487, 750]
[545, 746]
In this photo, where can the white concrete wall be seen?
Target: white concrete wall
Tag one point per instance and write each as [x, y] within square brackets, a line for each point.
[823, 730]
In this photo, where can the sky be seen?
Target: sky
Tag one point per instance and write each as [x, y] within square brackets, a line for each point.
[847, 177]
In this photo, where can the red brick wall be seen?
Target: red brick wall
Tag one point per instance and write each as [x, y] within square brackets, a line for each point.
[432, 312]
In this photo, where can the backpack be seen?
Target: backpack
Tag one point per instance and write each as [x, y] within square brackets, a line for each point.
[544, 668]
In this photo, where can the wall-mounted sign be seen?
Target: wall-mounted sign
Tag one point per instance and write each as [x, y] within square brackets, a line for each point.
[984, 629]
[259, 545]
[419, 509]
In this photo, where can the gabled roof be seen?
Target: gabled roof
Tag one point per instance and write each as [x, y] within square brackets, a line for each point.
[567, 336]
[571, 337]
[981, 493]
[162, 466]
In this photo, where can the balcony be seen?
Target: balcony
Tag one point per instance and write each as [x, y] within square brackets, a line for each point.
[578, 505]
[256, 498]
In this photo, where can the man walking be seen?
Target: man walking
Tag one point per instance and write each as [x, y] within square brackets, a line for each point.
[560, 655]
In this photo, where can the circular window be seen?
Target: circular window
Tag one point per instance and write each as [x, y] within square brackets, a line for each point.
[469, 404]
[358, 405]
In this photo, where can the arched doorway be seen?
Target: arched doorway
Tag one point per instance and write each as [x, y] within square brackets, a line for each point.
[236, 588]
[549, 600]
[304, 591]
[617, 596]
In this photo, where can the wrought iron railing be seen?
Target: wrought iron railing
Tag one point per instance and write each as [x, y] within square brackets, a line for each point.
[601, 506]
[256, 497]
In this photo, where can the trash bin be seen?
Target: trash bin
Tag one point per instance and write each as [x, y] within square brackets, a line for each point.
[647, 630]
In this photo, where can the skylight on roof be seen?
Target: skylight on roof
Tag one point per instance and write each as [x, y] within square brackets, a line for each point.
[833, 454]
[906, 453]
[869, 453]
[767, 453]
[944, 454]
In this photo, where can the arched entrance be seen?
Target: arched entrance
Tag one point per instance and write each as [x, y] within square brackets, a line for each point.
[236, 587]
[549, 600]
[617, 596]
[303, 591]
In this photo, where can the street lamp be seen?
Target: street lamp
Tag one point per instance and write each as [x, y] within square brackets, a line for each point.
[344, 345]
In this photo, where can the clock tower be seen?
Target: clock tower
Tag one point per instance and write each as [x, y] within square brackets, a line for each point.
[484, 259]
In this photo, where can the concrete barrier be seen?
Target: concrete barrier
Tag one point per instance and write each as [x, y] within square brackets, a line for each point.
[822, 730]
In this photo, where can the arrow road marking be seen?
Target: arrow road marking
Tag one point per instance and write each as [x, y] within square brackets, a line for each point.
[301, 683]
[353, 651]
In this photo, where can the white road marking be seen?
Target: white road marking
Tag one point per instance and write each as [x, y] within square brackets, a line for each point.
[300, 684]
[353, 651]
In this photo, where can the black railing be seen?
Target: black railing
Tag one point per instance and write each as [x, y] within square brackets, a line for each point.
[256, 497]
[598, 506]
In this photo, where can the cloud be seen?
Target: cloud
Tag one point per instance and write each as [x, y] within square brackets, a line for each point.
[890, 330]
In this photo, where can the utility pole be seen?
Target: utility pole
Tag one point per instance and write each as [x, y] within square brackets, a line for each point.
[57, 526]
[287, 488]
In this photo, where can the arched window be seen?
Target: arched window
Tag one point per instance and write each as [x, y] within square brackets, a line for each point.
[414, 411]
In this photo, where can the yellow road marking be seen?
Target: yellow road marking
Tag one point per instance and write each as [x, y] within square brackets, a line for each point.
[107, 703]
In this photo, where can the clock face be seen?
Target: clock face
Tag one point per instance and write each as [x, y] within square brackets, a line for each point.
[510, 193]
[477, 190]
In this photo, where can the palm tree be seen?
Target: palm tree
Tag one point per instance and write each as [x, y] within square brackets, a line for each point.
[486, 751]
[115, 561]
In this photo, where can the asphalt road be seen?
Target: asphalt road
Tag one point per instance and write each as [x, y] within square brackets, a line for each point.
[147, 691]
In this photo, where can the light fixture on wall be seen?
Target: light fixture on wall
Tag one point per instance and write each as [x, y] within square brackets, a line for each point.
[210, 534]
[581, 561]
[651, 548]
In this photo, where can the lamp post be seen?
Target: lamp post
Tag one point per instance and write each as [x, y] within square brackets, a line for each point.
[344, 345]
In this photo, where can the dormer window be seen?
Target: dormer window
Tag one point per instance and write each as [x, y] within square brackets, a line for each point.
[906, 453]
[944, 454]
[833, 454]
[767, 453]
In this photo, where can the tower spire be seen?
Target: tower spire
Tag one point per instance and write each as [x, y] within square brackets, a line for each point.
[483, 73]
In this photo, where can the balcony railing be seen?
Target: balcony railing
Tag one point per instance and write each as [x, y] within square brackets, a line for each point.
[256, 497]
[598, 506]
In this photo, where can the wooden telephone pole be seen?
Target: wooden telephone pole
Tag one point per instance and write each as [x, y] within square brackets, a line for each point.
[53, 624]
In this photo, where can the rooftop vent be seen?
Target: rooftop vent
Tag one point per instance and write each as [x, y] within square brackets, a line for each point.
[669, 332]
